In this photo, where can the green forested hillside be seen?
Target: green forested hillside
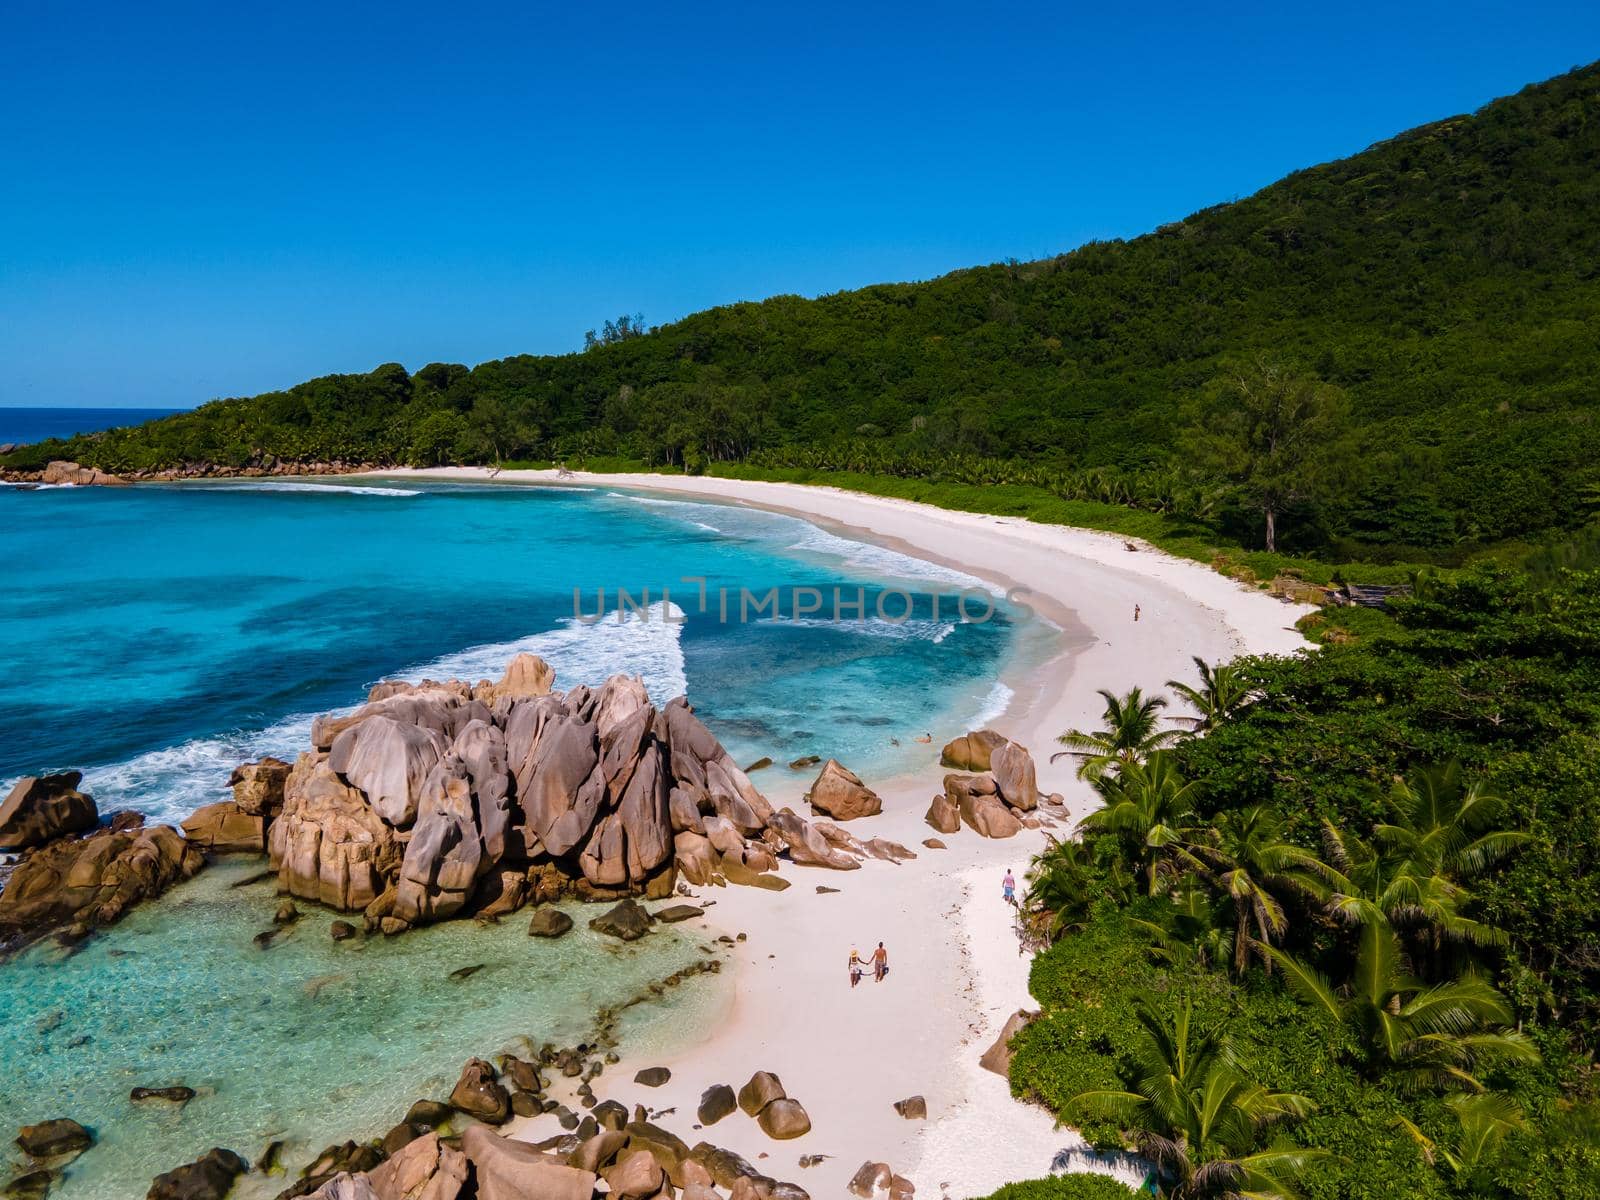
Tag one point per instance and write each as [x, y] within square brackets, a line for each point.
[1444, 286]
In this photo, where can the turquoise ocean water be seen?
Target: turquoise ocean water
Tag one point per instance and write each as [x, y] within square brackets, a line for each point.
[155, 637]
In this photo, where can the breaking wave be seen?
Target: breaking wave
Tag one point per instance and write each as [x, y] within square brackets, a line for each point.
[347, 489]
[169, 784]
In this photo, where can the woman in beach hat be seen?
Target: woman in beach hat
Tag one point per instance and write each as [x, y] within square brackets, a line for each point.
[857, 965]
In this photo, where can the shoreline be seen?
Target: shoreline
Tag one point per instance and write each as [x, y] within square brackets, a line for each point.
[849, 1054]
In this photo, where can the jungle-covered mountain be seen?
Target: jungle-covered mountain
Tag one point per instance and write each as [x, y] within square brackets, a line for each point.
[1435, 299]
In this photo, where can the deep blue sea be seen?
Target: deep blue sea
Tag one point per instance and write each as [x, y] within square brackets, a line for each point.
[158, 635]
[24, 425]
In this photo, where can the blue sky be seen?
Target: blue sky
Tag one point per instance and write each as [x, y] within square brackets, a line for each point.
[200, 200]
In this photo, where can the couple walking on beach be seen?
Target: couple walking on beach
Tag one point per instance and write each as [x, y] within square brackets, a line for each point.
[880, 965]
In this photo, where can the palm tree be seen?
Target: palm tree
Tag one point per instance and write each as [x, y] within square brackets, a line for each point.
[1443, 826]
[1427, 1037]
[1150, 807]
[1248, 860]
[1197, 1117]
[1223, 691]
[1483, 1121]
[1131, 735]
[1193, 932]
[1439, 833]
[1060, 890]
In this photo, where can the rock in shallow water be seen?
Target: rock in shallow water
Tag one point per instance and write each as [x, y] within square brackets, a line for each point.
[674, 913]
[479, 1094]
[209, 1177]
[54, 1138]
[628, 921]
[173, 1095]
[549, 923]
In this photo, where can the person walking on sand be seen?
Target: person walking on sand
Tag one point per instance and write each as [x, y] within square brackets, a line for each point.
[1135, 614]
[880, 963]
[857, 966]
[1008, 887]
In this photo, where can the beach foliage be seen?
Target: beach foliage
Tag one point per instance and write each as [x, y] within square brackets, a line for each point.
[1066, 1187]
[1380, 897]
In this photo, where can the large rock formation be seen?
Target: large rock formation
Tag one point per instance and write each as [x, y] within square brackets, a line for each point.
[1014, 776]
[240, 825]
[971, 751]
[997, 1058]
[839, 793]
[60, 471]
[91, 881]
[512, 1170]
[330, 845]
[440, 799]
[995, 801]
[40, 809]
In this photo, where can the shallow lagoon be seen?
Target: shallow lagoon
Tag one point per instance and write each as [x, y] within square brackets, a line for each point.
[310, 1041]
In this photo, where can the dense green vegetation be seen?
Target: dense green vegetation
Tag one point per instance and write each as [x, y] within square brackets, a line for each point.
[1433, 299]
[1065, 1187]
[1346, 944]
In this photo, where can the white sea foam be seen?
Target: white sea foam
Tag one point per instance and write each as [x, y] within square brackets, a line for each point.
[912, 630]
[280, 485]
[877, 562]
[170, 783]
[994, 706]
[656, 502]
[881, 562]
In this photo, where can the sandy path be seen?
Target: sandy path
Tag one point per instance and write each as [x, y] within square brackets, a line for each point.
[848, 1054]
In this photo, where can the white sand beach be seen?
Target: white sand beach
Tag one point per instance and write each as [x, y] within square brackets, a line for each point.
[848, 1054]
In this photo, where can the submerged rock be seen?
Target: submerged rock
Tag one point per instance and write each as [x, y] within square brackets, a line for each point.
[209, 1177]
[628, 921]
[54, 1138]
[549, 923]
[32, 1185]
[175, 1095]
